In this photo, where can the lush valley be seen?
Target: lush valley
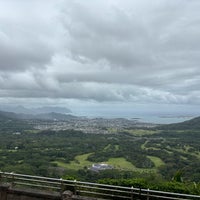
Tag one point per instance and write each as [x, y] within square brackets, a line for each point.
[157, 157]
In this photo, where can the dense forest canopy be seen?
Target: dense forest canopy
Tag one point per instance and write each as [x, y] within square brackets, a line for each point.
[161, 152]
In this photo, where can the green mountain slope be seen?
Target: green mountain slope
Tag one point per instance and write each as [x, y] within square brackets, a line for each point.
[193, 124]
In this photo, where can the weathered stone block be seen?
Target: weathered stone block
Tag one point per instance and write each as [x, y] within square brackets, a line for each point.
[67, 195]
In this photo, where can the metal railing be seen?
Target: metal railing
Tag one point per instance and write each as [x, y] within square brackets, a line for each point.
[88, 189]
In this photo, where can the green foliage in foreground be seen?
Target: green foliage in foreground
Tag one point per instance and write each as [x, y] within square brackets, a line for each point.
[168, 186]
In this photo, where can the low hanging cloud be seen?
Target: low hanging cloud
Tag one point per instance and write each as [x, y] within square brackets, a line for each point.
[140, 51]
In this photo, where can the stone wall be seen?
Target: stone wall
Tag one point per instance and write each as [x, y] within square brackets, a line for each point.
[9, 193]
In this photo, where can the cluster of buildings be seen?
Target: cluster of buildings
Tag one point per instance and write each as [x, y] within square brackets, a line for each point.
[94, 125]
[100, 166]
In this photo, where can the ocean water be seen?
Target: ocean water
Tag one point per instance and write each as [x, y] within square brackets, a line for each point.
[150, 118]
[152, 113]
[165, 119]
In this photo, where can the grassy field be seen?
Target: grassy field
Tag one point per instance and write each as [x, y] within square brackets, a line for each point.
[181, 150]
[79, 162]
[140, 132]
[134, 132]
[32, 131]
[120, 163]
[110, 147]
[157, 161]
[143, 146]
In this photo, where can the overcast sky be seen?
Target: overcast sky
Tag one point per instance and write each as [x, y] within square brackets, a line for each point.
[100, 52]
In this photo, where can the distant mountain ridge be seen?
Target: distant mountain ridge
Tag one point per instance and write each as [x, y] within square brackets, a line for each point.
[40, 110]
[54, 116]
[7, 115]
[44, 116]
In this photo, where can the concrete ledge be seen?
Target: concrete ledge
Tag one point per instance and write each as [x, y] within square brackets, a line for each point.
[33, 194]
[3, 192]
[9, 193]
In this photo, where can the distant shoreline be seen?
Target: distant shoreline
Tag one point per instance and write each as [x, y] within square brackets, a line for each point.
[180, 116]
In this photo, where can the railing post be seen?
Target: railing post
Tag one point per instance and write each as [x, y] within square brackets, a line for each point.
[61, 186]
[75, 192]
[12, 179]
[140, 193]
[132, 193]
[148, 194]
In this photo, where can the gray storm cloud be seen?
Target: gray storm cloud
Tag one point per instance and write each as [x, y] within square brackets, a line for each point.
[140, 51]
